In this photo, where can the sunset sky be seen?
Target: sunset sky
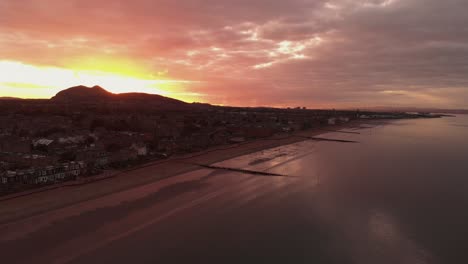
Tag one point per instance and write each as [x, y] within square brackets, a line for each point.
[314, 53]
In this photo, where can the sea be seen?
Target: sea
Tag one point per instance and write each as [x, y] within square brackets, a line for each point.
[397, 194]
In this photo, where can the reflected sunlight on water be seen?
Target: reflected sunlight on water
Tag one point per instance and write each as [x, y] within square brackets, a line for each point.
[396, 197]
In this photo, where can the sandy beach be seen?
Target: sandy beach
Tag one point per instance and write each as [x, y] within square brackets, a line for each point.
[13, 208]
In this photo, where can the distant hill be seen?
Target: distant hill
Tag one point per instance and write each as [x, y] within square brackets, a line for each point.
[83, 93]
[97, 94]
[6, 98]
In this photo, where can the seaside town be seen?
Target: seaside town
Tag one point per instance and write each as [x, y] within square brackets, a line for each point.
[47, 146]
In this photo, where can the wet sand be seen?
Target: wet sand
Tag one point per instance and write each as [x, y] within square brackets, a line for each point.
[36, 203]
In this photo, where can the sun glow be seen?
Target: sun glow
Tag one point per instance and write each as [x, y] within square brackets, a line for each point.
[29, 81]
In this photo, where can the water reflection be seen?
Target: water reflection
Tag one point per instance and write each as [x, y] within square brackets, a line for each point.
[399, 196]
[406, 185]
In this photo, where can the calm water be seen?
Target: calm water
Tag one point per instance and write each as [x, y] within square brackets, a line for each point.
[398, 196]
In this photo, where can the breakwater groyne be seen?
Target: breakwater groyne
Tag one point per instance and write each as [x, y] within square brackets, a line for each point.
[261, 173]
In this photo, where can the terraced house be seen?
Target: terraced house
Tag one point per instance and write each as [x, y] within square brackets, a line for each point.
[22, 179]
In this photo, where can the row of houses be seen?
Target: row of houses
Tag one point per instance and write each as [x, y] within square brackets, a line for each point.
[44, 175]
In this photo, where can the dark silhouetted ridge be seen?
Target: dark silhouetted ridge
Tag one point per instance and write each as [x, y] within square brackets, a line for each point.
[97, 94]
[7, 98]
[83, 93]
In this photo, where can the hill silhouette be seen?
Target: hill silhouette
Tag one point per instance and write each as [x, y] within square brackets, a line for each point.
[8, 98]
[97, 94]
[83, 93]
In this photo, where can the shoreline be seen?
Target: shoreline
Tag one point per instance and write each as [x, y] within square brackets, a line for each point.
[26, 204]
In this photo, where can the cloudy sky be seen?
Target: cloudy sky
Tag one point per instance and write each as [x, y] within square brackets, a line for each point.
[314, 53]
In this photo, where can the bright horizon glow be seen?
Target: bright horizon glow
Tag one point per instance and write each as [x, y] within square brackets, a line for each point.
[29, 81]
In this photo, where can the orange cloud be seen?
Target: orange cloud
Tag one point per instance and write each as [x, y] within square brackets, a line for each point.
[245, 52]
